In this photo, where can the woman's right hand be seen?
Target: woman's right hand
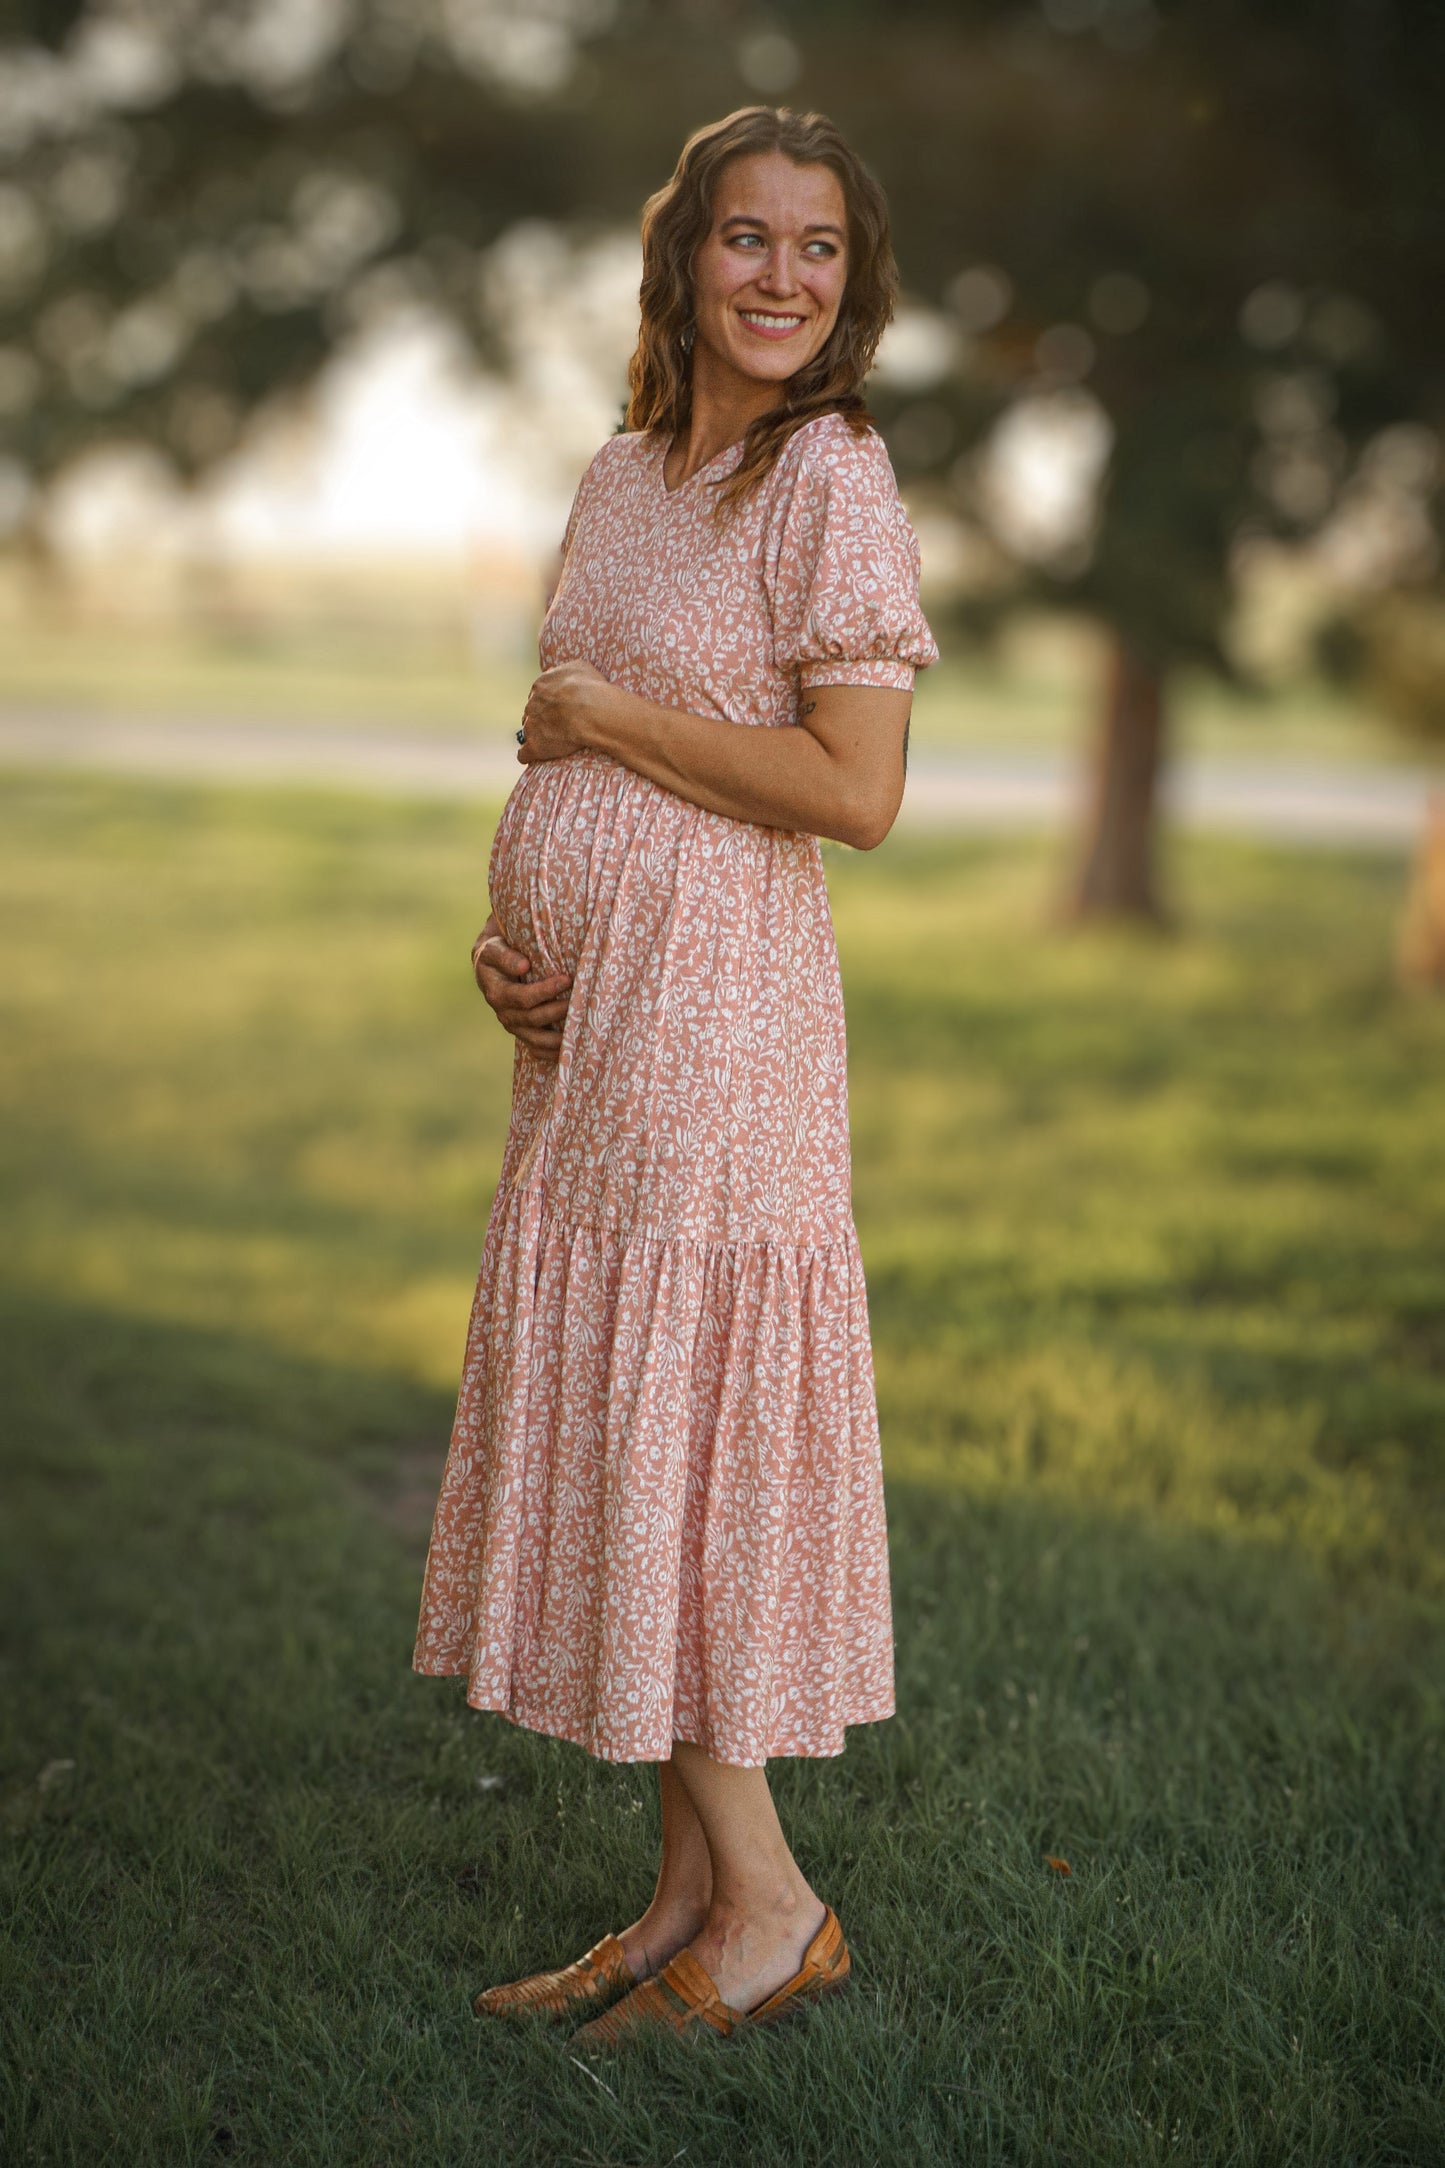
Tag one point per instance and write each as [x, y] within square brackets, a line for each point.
[534, 1012]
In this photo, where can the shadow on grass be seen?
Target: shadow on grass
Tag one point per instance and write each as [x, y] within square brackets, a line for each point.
[254, 1869]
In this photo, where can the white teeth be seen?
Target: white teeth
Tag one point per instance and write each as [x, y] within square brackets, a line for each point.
[755, 316]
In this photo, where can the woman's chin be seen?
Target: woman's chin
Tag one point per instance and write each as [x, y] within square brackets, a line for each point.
[771, 364]
[760, 359]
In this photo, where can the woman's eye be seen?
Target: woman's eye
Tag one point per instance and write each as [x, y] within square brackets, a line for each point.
[752, 242]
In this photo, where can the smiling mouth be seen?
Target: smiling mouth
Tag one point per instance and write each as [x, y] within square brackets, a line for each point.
[771, 324]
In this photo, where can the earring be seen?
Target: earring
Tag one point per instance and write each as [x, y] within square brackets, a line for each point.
[685, 339]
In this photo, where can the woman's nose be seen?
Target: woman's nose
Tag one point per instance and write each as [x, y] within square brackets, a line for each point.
[779, 273]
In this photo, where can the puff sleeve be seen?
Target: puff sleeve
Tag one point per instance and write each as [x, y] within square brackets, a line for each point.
[843, 561]
[582, 495]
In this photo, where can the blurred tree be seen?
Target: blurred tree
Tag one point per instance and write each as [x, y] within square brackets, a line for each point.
[1194, 245]
[1220, 230]
[201, 200]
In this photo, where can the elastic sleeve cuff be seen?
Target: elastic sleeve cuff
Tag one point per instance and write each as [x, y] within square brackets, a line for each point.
[894, 676]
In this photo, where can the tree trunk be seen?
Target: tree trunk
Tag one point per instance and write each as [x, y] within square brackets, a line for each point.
[1116, 877]
[1420, 951]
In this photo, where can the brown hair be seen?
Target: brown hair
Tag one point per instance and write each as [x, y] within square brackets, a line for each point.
[675, 223]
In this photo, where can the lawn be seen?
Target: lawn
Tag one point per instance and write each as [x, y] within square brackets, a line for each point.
[1155, 1234]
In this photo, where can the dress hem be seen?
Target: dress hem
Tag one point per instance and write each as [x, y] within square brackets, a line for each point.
[554, 1728]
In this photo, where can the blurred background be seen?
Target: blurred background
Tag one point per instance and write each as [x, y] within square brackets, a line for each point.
[311, 314]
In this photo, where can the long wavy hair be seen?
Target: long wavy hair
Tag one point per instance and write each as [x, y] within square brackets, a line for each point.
[675, 223]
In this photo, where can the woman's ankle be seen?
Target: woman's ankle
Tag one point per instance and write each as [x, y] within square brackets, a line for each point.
[779, 1900]
[661, 1932]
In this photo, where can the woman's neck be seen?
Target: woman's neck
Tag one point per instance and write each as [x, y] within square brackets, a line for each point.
[724, 405]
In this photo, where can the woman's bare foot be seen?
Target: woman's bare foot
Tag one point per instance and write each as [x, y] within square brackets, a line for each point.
[750, 1953]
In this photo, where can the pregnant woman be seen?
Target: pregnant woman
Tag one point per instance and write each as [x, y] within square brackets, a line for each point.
[660, 1531]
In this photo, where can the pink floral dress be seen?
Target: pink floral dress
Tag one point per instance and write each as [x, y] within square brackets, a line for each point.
[662, 1511]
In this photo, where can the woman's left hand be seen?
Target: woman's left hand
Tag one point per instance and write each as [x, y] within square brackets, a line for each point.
[562, 704]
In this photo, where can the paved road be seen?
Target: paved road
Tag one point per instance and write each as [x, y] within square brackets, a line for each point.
[979, 791]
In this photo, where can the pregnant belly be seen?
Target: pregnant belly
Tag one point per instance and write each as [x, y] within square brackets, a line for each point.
[547, 874]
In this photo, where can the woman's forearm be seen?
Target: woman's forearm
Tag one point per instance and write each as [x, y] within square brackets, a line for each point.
[784, 778]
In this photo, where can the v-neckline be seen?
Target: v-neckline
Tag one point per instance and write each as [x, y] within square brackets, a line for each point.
[698, 473]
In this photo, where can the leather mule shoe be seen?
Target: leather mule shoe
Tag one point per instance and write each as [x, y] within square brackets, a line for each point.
[684, 1996]
[602, 1974]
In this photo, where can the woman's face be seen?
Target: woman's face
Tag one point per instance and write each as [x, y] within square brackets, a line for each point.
[768, 280]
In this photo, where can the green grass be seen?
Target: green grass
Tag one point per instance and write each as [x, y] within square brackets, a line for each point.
[1155, 1235]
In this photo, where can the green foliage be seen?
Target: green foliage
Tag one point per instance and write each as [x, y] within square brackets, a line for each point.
[1154, 1238]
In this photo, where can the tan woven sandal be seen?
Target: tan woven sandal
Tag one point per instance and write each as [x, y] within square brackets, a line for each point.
[596, 1978]
[684, 1995]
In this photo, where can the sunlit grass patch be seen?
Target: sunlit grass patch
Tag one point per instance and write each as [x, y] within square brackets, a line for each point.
[1155, 1239]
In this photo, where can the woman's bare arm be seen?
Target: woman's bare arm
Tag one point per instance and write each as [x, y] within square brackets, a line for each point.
[840, 774]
